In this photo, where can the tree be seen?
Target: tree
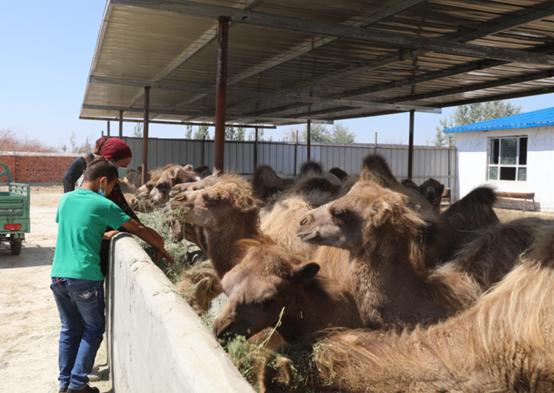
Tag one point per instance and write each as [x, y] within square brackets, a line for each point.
[137, 130]
[201, 132]
[64, 148]
[473, 113]
[85, 147]
[339, 134]
[188, 131]
[73, 142]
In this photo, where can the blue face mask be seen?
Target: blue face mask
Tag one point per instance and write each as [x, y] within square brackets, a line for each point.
[101, 192]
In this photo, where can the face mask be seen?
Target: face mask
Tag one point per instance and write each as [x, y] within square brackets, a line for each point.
[101, 192]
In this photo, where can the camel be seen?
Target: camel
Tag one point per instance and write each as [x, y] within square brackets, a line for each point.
[459, 224]
[432, 190]
[168, 179]
[339, 173]
[503, 343]
[246, 260]
[270, 287]
[266, 183]
[389, 244]
[227, 212]
[468, 216]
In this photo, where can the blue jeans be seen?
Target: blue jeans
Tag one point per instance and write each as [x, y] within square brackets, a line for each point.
[81, 307]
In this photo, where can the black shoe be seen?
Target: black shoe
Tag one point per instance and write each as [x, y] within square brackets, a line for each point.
[85, 389]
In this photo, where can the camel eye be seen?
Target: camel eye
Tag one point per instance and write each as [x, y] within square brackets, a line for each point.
[341, 215]
[211, 199]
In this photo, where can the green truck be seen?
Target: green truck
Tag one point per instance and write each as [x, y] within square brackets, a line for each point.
[15, 200]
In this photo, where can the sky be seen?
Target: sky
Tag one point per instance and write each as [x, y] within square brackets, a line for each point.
[46, 50]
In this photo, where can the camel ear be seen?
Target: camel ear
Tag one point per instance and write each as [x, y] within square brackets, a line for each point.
[381, 212]
[306, 272]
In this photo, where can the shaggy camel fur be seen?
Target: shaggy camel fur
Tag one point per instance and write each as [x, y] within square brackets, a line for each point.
[386, 240]
[503, 343]
[270, 287]
[339, 173]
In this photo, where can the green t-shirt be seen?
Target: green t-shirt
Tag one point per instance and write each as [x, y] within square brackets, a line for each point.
[82, 218]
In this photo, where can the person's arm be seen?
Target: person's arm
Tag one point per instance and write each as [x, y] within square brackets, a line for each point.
[149, 236]
[73, 174]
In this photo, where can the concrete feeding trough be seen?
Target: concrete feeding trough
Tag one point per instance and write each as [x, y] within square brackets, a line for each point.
[156, 342]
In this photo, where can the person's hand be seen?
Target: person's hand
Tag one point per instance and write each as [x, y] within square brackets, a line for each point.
[162, 253]
[108, 235]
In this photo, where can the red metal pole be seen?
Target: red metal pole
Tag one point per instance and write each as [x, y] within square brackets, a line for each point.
[411, 145]
[221, 91]
[120, 123]
[309, 138]
[145, 133]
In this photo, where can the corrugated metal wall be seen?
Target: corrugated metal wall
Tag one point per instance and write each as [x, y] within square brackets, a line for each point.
[239, 157]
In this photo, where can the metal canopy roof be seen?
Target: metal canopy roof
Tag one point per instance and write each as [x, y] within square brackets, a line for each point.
[291, 60]
[540, 118]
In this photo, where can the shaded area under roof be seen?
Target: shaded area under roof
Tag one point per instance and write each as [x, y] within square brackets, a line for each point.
[540, 118]
[290, 61]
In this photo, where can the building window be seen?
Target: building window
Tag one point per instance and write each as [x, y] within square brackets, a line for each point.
[507, 158]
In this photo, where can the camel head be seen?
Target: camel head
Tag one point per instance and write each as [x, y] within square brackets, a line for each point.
[226, 203]
[266, 285]
[171, 176]
[368, 211]
[432, 191]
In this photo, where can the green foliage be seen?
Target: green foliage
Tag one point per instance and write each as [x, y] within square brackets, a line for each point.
[188, 131]
[338, 134]
[202, 132]
[473, 113]
[157, 220]
[137, 130]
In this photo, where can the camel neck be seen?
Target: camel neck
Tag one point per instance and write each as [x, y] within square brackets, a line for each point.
[222, 242]
[387, 288]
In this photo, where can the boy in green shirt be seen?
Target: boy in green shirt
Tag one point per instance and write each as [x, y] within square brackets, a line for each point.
[77, 280]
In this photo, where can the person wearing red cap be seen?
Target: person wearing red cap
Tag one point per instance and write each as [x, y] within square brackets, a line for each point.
[112, 149]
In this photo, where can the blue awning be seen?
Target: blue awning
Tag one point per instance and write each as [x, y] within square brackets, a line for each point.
[540, 118]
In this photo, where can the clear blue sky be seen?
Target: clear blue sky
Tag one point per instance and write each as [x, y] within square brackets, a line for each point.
[47, 47]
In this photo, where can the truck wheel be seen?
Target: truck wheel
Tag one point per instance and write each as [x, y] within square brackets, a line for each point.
[15, 246]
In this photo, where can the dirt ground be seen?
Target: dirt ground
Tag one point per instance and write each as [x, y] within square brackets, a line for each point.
[29, 322]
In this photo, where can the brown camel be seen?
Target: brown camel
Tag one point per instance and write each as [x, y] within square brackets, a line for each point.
[432, 190]
[270, 287]
[168, 179]
[389, 244]
[467, 217]
[227, 212]
[266, 183]
[503, 343]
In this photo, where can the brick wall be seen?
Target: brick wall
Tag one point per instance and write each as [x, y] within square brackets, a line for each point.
[37, 167]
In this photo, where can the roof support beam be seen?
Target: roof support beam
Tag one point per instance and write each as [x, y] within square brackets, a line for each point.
[481, 86]
[178, 123]
[270, 105]
[376, 36]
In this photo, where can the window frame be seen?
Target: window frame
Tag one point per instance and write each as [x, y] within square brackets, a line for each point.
[499, 165]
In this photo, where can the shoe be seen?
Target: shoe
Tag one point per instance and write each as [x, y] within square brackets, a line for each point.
[85, 389]
[63, 390]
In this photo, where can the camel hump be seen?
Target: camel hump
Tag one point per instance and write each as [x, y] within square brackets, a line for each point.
[482, 196]
[311, 168]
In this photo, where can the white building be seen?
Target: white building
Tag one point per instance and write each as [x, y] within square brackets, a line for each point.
[512, 154]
